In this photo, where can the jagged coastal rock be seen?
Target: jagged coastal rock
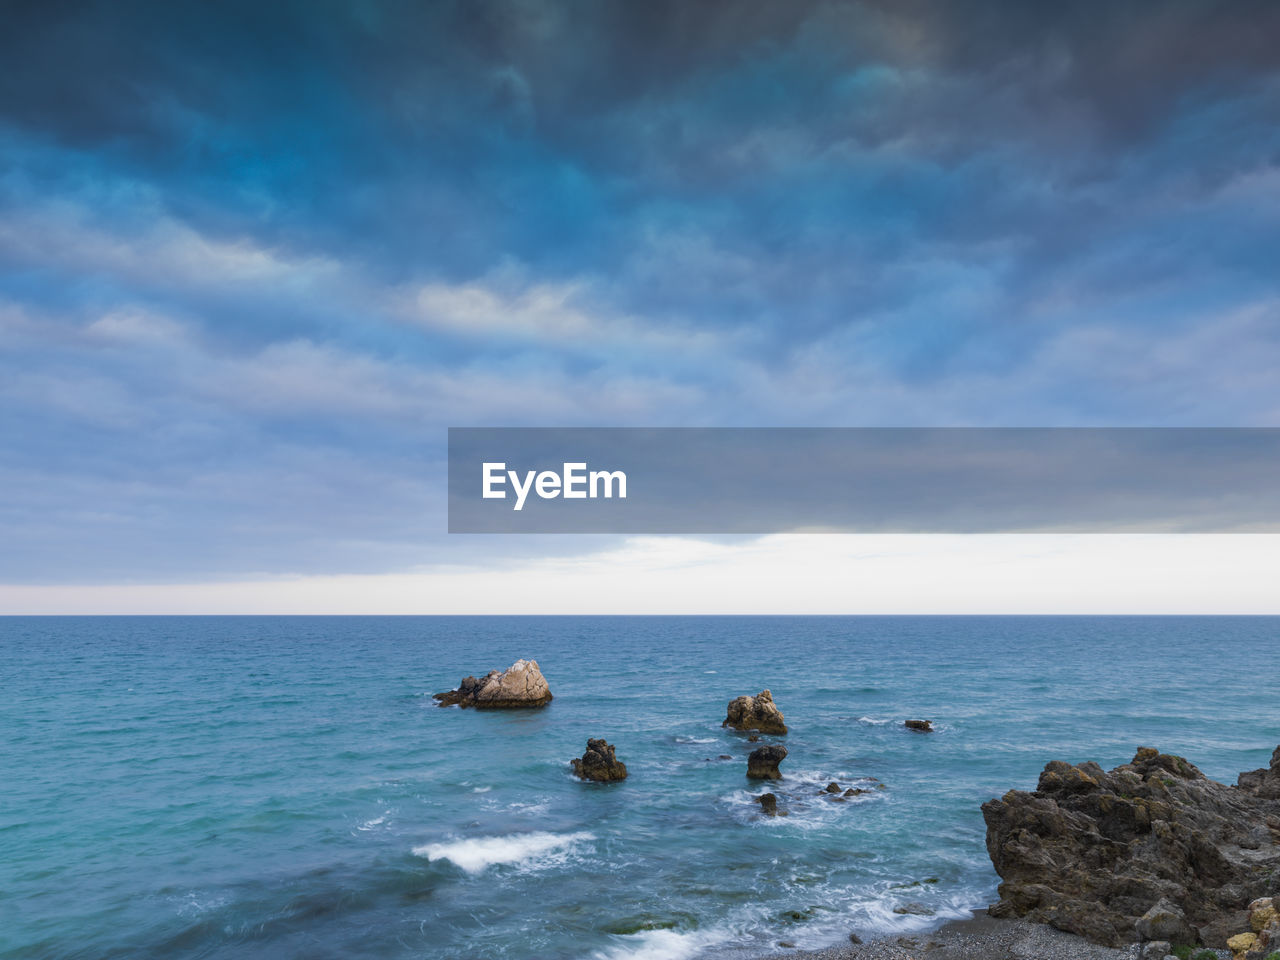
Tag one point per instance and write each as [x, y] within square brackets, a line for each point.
[1152, 850]
[1165, 921]
[1262, 939]
[520, 685]
[763, 762]
[1264, 783]
[755, 713]
[599, 763]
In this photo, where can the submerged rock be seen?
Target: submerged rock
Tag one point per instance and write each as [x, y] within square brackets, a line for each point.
[763, 763]
[1152, 849]
[599, 763]
[520, 685]
[755, 713]
[913, 909]
[920, 726]
[768, 804]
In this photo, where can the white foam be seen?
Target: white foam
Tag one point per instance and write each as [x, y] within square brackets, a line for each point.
[542, 805]
[193, 905]
[696, 740]
[529, 849]
[375, 822]
[662, 945]
[876, 911]
[481, 789]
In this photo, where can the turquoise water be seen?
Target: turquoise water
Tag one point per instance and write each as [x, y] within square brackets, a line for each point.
[284, 786]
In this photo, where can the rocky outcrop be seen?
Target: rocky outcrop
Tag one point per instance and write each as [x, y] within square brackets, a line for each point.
[1165, 921]
[768, 804]
[1264, 783]
[755, 713]
[1262, 939]
[763, 762]
[599, 763]
[1150, 850]
[919, 726]
[520, 685]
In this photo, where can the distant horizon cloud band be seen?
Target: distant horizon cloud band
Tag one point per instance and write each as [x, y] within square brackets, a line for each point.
[256, 260]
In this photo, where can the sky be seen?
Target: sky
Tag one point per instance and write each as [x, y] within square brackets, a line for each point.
[256, 258]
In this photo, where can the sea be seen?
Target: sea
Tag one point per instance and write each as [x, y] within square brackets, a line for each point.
[280, 787]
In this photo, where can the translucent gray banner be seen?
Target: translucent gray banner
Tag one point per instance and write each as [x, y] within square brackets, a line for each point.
[830, 480]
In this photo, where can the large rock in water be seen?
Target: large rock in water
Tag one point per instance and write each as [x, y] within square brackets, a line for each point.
[755, 713]
[1151, 847]
[763, 762]
[520, 685]
[599, 763]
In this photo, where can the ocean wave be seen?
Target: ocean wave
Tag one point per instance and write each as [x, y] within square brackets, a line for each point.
[696, 740]
[541, 805]
[526, 849]
[194, 905]
[662, 945]
[875, 913]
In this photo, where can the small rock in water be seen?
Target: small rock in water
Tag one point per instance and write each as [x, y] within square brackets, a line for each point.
[833, 787]
[755, 713]
[768, 804]
[852, 792]
[753, 739]
[763, 762]
[913, 909]
[725, 756]
[599, 763]
[921, 726]
[521, 685]
[854, 938]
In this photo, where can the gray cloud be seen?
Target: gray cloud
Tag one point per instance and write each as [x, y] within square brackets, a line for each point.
[254, 259]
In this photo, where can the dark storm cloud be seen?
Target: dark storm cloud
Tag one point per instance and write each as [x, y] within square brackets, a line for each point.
[293, 241]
